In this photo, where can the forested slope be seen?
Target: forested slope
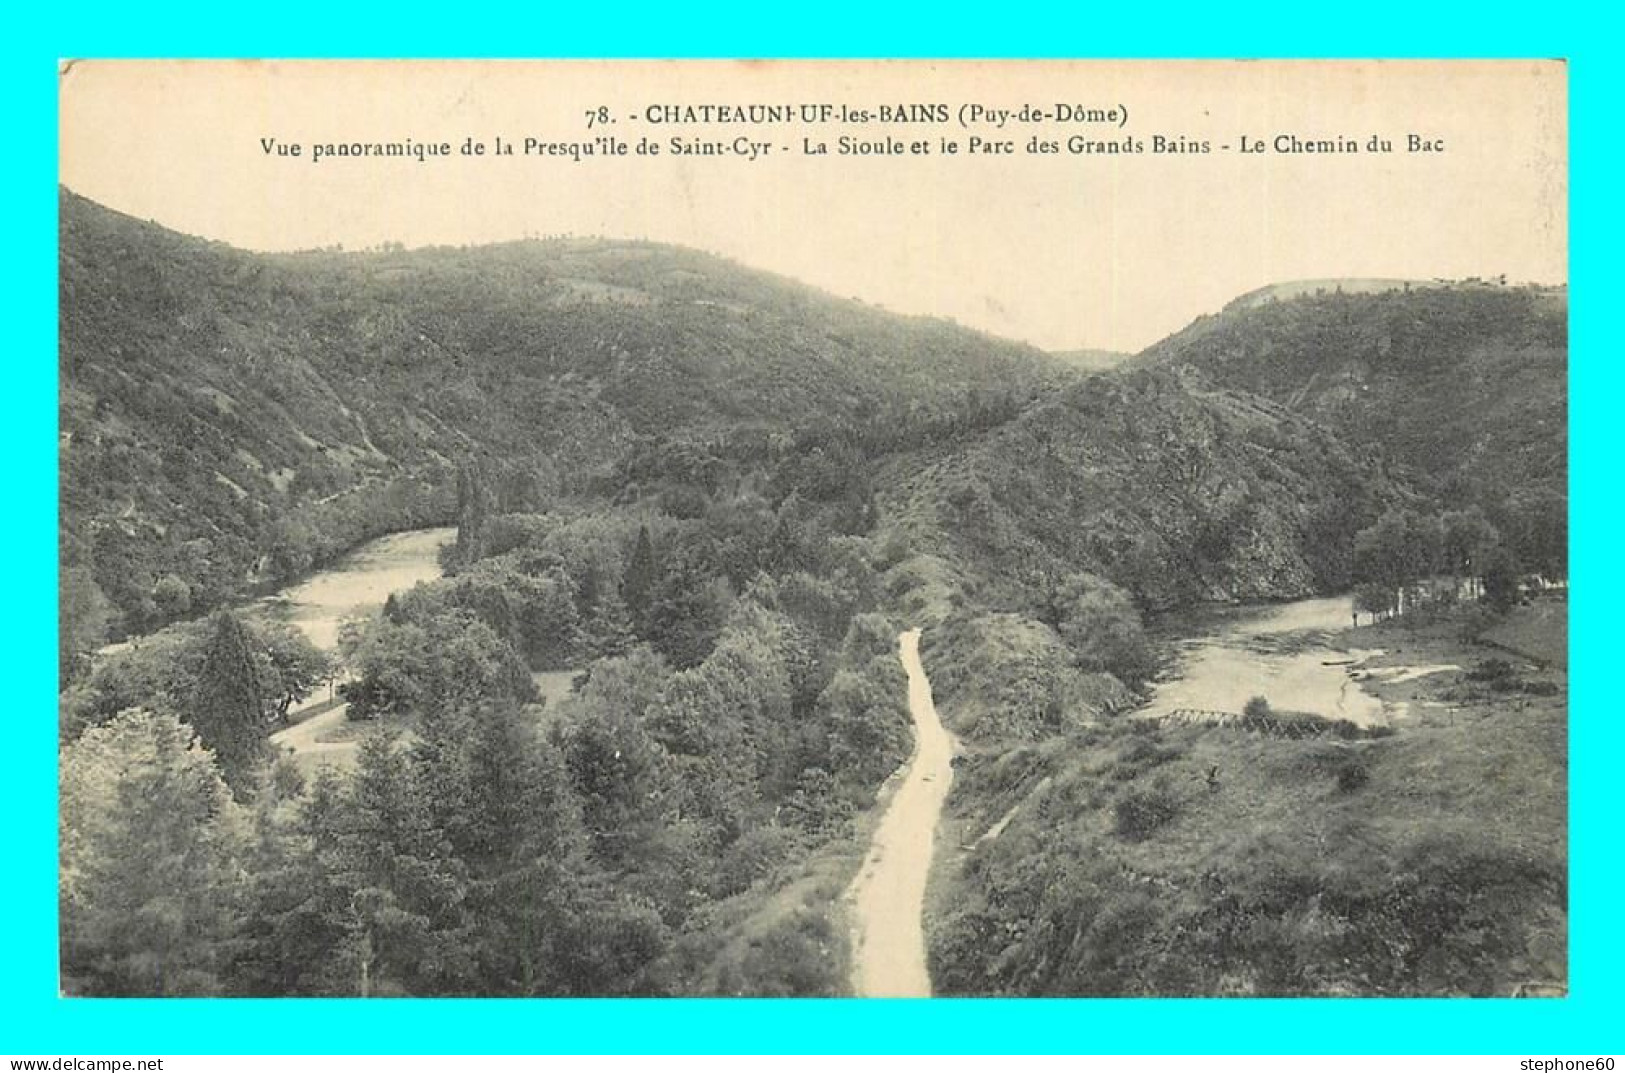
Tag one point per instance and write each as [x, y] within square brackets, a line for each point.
[229, 417]
[711, 499]
[1464, 386]
[1177, 495]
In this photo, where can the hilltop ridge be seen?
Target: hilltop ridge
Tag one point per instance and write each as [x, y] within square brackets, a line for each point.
[229, 416]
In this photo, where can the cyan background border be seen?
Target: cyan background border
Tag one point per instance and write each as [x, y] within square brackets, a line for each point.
[33, 1020]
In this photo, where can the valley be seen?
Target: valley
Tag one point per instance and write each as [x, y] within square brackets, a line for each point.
[575, 617]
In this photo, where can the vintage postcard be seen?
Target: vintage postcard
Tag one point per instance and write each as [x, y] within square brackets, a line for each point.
[884, 528]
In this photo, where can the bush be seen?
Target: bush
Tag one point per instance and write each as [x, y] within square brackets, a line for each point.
[1142, 812]
[1498, 674]
[1141, 755]
[1352, 776]
[1488, 670]
[793, 957]
[1346, 730]
[753, 856]
[173, 596]
[1257, 708]
[1101, 626]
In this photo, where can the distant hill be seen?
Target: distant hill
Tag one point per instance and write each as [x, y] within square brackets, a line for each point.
[1463, 386]
[1092, 361]
[229, 417]
[1178, 495]
[1300, 288]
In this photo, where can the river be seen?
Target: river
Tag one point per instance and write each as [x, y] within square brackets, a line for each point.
[355, 587]
[359, 584]
[888, 895]
[1284, 653]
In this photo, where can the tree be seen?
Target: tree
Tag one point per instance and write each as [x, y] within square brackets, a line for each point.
[784, 543]
[549, 624]
[1468, 539]
[440, 770]
[407, 919]
[1501, 581]
[295, 665]
[866, 724]
[619, 772]
[164, 671]
[473, 509]
[1100, 624]
[1400, 549]
[518, 797]
[610, 950]
[1427, 536]
[451, 660]
[173, 596]
[1374, 599]
[227, 707]
[292, 548]
[638, 582]
[299, 915]
[389, 661]
[608, 628]
[524, 846]
[159, 672]
[687, 609]
[1381, 551]
[151, 843]
[1536, 529]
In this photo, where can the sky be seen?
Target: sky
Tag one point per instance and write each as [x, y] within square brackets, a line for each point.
[1063, 250]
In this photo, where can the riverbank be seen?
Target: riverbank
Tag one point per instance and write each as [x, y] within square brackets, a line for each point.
[358, 584]
[1295, 655]
[319, 606]
[1131, 858]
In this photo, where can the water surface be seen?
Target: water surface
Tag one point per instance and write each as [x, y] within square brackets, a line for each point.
[1285, 653]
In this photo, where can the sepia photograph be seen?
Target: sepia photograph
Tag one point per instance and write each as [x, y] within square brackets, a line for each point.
[822, 529]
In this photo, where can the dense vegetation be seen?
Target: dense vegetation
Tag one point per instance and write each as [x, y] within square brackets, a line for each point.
[1417, 864]
[1464, 387]
[1103, 856]
[713, 497]
[661, 468]
[230, 418]
[1408, 558]
[680, 824]
[1175, 496]
[636, 840]
[198, 670]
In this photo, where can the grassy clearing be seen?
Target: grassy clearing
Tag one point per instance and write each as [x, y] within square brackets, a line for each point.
[1538, 630]
[348, 731]
[1213, 861]
[553, 686]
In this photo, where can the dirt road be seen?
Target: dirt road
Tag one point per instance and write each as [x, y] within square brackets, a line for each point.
[888, 895]
[319, 605]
